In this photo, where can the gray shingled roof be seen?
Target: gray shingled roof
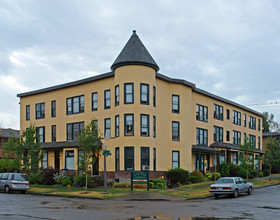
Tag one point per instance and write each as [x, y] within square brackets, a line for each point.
[230, 146]
[134, 53]
[271, 134]
[6, 133]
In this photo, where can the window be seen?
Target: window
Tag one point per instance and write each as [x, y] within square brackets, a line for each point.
[175, 104]
[257, 161]
[244, 137]
[69, 159]
[259, 143]
[53, 133]
[236, 137]
[94, 99]
[228, 114]
[144, 94]
[117, 95]
[27, 112]
[236, 117]
[53, 110]
[251, 156]
[145, 125]
[245, 120]
[40, 110]
[75, 105]
[201, 136]
[252, 140]
[81, 155]
[201, 113]
[107, 99]
[252, 122]
[154, 158]
[228, 136]
[145, 158]
[128, 124]
[117, 158]
[45, 160]
[129, 158]
[154, 126]
[259, 124]
[117, 126]
[73, 130]
[175, 131]
[107, 128]
[128, 93]
[218, 112]
[41, 134]
[235, 158]
[222, 157]
[154, 96]
[175, 159]
[218, 134]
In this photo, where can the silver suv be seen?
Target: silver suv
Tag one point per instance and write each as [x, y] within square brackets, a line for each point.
[13, 182]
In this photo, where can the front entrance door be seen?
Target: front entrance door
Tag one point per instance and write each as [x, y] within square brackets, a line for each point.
[56, 160]
[95, 168]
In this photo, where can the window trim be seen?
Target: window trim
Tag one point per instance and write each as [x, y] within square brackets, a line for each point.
[205, 131]
[154, 96]
[141, 157]
[154, 126]
[81, 110]
[178, 123]
[218, 112]
[27, 112]
[53, 136]
[154, 159]
[117, 95]
[117, 160]
[105, 99]
[42, 112]
[125, 158]
[69, 156]
[81, 124]
[105, 128]
[94, 101]
[53, 108]
[176, 111]
[201, 109]
[117, 126]
[125, 134]
[148, 94]
[219, 131]
[125, 93]
[176, 151]
[141, 125]
[38, 134]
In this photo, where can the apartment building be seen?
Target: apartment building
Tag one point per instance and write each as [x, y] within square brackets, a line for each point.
[152, 122]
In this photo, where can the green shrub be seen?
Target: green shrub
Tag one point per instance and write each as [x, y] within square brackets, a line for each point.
[46, 176]
[121, 185]
[265, 172]
[261, 174]
[66, 181]
[161, 185]
[59, 177]
[252, 173]
[225, 170]
[211, 176]
[80, 180]
[233, 169]
[34, 178]
[242, 172]
[9, 165]
[156, 181]
[151, 184]
[194, 179]
[198, 174]
[177, 175]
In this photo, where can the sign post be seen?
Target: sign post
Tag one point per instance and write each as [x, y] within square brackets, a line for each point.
[139, 177]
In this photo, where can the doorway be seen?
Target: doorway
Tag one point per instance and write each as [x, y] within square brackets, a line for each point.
[57, 160]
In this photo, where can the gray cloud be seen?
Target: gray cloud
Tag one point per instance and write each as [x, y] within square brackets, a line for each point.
[230, 48]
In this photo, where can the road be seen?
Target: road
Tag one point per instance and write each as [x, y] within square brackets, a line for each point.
[262, 204]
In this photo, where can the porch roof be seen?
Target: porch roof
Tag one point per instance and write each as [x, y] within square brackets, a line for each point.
[198, 148]
[231, 147]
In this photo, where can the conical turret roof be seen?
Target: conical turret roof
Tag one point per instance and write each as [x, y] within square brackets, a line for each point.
[134, 53]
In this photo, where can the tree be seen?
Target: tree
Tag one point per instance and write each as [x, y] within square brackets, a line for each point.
[244, 157]
[269, 125]
[29, 151]
[272, 153]
[89, 141]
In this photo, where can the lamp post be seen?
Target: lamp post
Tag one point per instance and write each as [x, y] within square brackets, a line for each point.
[104, 147]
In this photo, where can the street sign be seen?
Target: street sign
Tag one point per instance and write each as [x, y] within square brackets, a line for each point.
[106, 153]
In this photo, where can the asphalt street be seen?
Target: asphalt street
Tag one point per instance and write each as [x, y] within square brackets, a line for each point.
[262, 204]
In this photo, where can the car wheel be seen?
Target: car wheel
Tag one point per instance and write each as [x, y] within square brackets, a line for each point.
[250, 190]
[235, 194]
[23, 191]
[7, 189]
[216, 196]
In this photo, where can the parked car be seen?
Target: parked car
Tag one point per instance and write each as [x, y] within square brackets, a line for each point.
[13, 182]
[231, 186]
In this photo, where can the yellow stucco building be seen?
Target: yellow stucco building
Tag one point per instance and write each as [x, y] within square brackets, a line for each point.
[152, 122]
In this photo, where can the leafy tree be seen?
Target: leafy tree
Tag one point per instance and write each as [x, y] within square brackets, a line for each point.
[89, 141]
[272, 153]
[29, 151]
[269, 125]
[244, 157]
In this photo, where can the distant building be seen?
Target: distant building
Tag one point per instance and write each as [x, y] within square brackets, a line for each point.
[267, 135]
[153, 122]
[5, 134]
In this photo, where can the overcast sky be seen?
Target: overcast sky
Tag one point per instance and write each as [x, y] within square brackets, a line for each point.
[229, 48]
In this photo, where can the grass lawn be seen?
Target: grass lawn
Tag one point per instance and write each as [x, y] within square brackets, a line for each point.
[186, 191]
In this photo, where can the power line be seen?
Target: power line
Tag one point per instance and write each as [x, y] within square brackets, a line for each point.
[271, 104]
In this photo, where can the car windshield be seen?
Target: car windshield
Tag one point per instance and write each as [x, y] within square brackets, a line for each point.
[20, 177]
[225, 181]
